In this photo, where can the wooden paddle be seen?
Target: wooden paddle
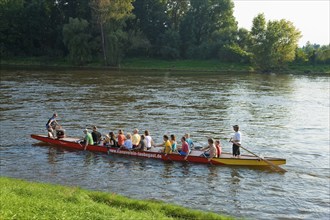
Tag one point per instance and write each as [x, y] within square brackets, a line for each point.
[274, 166]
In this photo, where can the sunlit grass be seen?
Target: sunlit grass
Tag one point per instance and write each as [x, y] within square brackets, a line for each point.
[25, 200]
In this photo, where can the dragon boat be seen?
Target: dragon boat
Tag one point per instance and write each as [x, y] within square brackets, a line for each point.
[196, 155]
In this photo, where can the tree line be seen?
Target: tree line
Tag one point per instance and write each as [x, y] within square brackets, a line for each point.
[109, 30]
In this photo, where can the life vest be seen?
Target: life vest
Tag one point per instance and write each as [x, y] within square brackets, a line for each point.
[218, 150]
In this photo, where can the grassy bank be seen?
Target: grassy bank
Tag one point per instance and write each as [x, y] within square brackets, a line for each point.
[156, 64]
[25, 200]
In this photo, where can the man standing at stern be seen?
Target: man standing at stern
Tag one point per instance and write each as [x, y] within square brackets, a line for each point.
[236, 140]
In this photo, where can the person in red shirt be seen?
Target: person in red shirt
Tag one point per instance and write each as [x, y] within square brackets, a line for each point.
[121, 138]
[184, 150]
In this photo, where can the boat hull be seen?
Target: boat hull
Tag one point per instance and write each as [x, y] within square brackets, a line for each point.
[194, 157]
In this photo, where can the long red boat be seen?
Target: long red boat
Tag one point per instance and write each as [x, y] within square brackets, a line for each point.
[196, 156]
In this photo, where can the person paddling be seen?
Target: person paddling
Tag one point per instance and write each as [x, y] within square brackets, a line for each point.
[166, 144]
[97, 137]
[184, 150]
[51, 124]
[236, 140]
[88, 140]
[210, 151]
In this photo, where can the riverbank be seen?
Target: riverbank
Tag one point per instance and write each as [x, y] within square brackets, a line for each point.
[156, 64]
[26, 200]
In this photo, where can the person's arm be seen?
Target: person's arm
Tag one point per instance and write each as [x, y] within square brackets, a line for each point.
[159, 145]
[205, 148]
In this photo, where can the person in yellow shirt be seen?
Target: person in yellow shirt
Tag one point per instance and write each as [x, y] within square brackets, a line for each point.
[136, 138]
[166, 144]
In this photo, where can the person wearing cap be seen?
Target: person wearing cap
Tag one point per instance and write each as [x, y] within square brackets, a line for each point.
[88, 140]
[51, 124]
[236, 140]
[96, 136]
[136, 138]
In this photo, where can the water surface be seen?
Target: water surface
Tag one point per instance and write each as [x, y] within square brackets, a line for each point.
[279, 115]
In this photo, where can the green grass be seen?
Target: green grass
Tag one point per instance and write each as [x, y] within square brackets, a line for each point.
[189, 65]
[26, 200]
[158, 64]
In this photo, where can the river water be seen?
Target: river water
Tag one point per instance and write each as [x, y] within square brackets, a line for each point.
[284, 116]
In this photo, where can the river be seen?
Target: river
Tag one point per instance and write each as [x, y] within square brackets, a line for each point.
[279, 115]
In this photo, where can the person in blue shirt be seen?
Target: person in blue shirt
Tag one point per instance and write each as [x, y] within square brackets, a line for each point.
[189, 141]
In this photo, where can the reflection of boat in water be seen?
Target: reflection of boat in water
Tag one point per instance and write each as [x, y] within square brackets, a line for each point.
[195, 156]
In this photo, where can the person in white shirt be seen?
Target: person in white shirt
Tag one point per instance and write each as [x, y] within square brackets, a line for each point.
[236, 140]
[149, 141]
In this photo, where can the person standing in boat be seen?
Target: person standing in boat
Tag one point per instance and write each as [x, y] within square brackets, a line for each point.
[88, 140]
[51, 124]
[136, 138]
[97, 137]
[236, 140]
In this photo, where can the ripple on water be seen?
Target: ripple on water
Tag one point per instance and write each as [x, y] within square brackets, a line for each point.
[277, 113]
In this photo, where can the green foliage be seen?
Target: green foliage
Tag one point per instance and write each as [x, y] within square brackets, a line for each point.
[152, 20]
[111, 16]
[273, 45]
[77, 39]
[207, 27]
[234, 53]
[170, 48]
[137, 43]
[114, 44]
[26, 200]
[167, 29]
[323, 55]
[314, 54]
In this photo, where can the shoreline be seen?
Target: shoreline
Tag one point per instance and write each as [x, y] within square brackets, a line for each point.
[134, 64]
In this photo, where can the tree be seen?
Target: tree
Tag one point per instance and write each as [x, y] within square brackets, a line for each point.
[207, 27]
[28, 28]
[171, 45]
[273, 45]
[111, 16]
[176, 10]
[76, 38]
[152, 20]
